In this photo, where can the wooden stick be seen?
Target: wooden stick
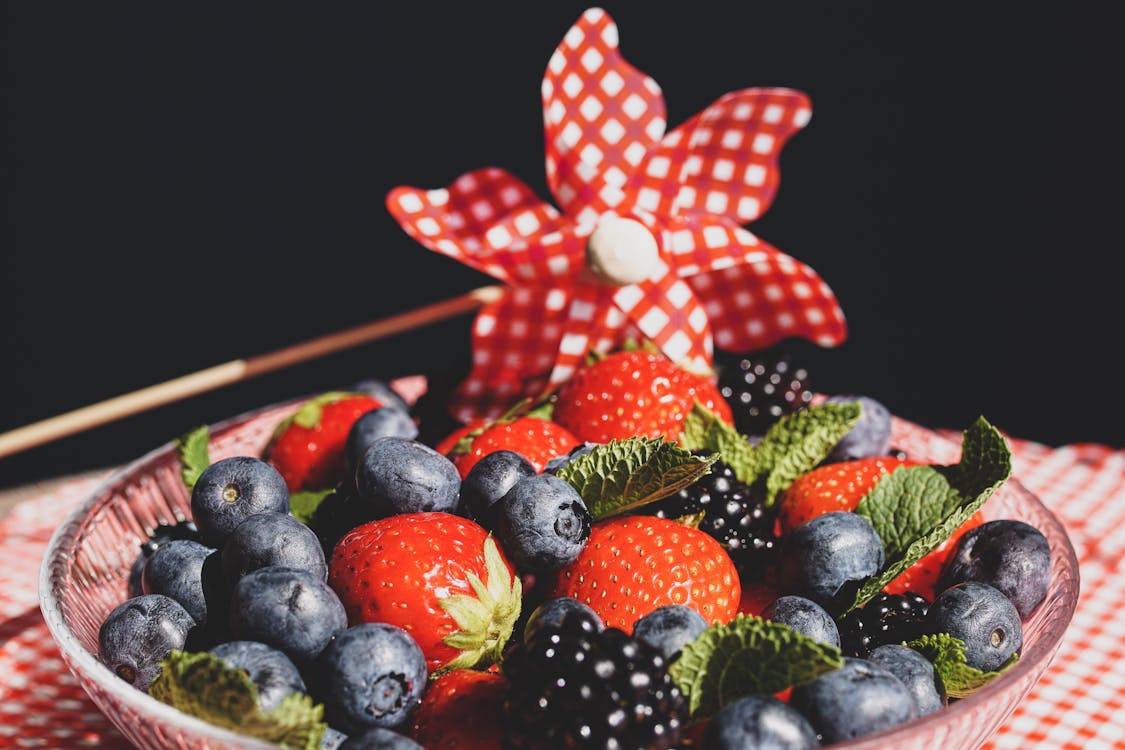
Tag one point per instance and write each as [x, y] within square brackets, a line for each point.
[236, 370]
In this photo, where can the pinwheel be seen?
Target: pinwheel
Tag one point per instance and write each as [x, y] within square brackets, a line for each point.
[646, 242]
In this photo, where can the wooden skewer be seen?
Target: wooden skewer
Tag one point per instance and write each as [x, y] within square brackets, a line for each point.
[100, 413]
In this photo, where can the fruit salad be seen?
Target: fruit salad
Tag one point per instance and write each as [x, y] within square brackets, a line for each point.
[644, 558]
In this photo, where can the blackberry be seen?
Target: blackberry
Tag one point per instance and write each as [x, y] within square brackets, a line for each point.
[763, 388]
[573, 686]
[886, 618]
[742, 525]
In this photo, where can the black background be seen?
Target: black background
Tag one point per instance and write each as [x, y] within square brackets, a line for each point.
[191, 183]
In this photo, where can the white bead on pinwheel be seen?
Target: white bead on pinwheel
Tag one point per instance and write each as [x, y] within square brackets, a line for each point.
[622, 251]
[680, 272]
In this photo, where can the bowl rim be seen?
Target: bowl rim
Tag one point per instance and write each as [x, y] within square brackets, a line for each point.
[53, 566]
[51, 571]
[1044, 653]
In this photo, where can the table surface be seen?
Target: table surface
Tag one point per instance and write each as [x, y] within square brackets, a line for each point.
[1079, 702]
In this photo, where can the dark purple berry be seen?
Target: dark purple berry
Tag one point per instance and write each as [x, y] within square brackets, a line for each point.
[573, 686]
[1009, 555]
[871, 435]
[759, 721]
[858, 699]
[175, 569]
[272, 672]
[293, 610]
[762, 388]
[552, 611]
[542, 523]
[488, 480]
[138, 634]
[804, 616]
[371, 675]
[385, 421]
[915, 671]
[669, 628]
[730, 515]
[885, 618]
[266, 539]
[231, 490]
[828, 557]
[983, 618]
[398, 475]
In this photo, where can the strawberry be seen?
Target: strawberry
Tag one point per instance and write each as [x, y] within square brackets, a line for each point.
[840, 486]
[830, 487]
[308, 447]
[538, 440]
[460, 710]
[633, 564]
[446, 445]
[634, 392]
[759, 594]
[441, 577]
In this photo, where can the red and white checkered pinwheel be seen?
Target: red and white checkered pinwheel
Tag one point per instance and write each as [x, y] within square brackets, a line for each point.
[649, 242]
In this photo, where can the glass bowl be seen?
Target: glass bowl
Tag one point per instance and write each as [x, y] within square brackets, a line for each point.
[86, 565]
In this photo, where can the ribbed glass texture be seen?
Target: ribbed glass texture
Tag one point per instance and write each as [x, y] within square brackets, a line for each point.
[85, 570]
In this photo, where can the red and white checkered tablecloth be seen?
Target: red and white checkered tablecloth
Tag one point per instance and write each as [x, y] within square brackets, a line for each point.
[1079, 702]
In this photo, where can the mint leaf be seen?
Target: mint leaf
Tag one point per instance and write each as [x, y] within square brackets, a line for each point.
[798, 442]
[623, 475]
[795, 444]
[303, 504]
[704, 431]
[916, 508]
[194, 455]
[747, 656]
[947, 654]
[205, 686]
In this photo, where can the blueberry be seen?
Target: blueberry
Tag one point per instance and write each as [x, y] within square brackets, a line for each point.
[669, 628]
[162, 533]
[405, 476]
[381, 391]
[386, 421]
[805, 616]
[542, 523]
[871, 435]
[551, 613]
[266, 539]
[138, 634]
[758, 721]
[983, 618]
[378, 738]
[556, 463]
[371, 675]
[858, 699]
[292, 610]
[829, 556]
[133, 586]
[231, 490]
[272, 672]
[175, 569]
[1009, 555]
[915, 671]
[488, 481]
[338, 513]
